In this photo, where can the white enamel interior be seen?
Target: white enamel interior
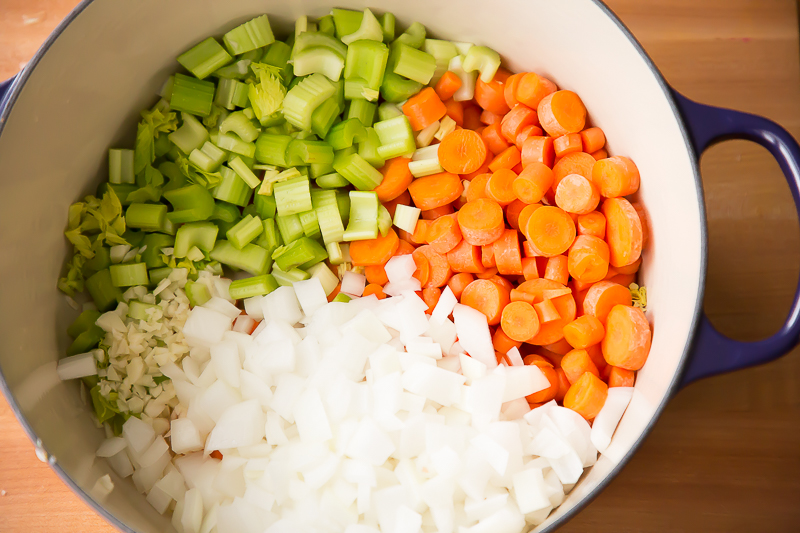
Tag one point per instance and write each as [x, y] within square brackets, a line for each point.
[84, 96]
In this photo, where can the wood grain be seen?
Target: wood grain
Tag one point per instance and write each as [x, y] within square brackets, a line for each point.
[725, 456]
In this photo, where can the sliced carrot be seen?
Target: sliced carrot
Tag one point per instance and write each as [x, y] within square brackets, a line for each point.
[623, 231]
[483, 169]
[502, 282]
[517, 295]
[405, 248]
[465, 258]
[455, 110]
[524, 217]
[447, 85]
[510, 89]
[603, 296]
[539, 149]
[499, 187]
[444, 234]
[576, 363]
[586, 396]
[529, 269]
[508, 158]
[472, 117]
[490, 96]
[494, 139]
[549, 393]
[403, 199]
[487, 256]
[501, 342]
[563, 385]
[431, 297]
[512, 212]
[459, 202]
[557, 270]
[551, 294]
[396, 179]
[459, 282]
[624, 279]
[588, 259]
[481, 221]
[477, 187]
[423, 272]
[561, 112]
[567, 144]
[487, 297]
[487, 273]
[620, 377]
[488, 118]
[547, 311]
[612, 272]
[533, 182]
[524, 133]
[565, 305]
[519, 321]
[595, 352]
[583, 332]
[532, 88]
[437, 190]
[593, 224]
[593, 139]
[643, 220]
[436, 212]
[336, 290]
[615, 176]
[528, 250]
[420, 235]
[600, 154]
[574, 163]
[461, 152]
[440, 270]
[627, 340]
[633, 268]
[516, 119]
[377, 274]
[424, 108]
[507, 256]
[374, 251]
[550, 230]
[375, 289]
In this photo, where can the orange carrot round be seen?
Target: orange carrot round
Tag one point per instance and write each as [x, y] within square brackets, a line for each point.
[588, 259]
[508, 158]
[459, 282]
[436, 212]
[551, 230]
[375, 289]
[563, 385]
[487, 297]
[487, 256]
[477, 187]
[533, 182]
[603, 296]
[620, 377]
[447, 85]
[396, 179]
[550, 392]
[439, 268]
[633, 268]
[593, 223]
[600, 154]
[374, 251]
[524, 217]
[529, 269]
[490, 96]
[465, 258]
[557, 269]
[494, 139]
[575, 194]
[405, 248]
[501, 342]
[472, 117]
[623, 231]
[561, 112]
[627, 340]
[583, 332]
[424, 108]
[574, 163]
[462, 151]
[565, 305]
[510, 89]
[499, 187]
[455, 110]
[539, 149]
[516, 119]
[592, 139]
[524, 133]
[502, 282]
[481, 221]
[488, 118]
[431, 297]
[576, 363]
[519, 321]
[615, 176]
[532, 88]
[586, 396]
[435, 191]
[444, 234]
[487, 273]
[423, 271]
[376, 274]
[512, 212]
[567, 144]
[507, 255]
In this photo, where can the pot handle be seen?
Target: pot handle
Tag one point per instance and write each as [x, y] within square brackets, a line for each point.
[5, 88]
[714, 353]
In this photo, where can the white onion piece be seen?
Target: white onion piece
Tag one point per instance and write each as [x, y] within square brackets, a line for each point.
[205, 327]
[310, 294]
[445, 305]
[184, 436]
[400, 268]
[77, 366]
[244, 324]
[254, 307]
[353, 283]
[522, 381]
[515, 357]
[609, 416]
[473, 334]
[138, 435]
[240, 425]
[111, 447]
[282, 304]
[222, 306]
[398, 288]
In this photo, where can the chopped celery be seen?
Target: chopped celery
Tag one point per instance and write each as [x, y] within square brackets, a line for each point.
[253, 34]
[231, 142]
[158, 274]
[357, 171]
[251, 258]
[396, 136]
[316, 170]
[289, 227]
[268, 93]
[414, 36]
[345, 133]
[84, 321]
[369, 29]
[139, 310]
[286, 279]
[302, 25]
[388, 110]
[310, 40]
[154, 243]
[368, 149]
[128, 274]
[120, 166]
[204, 58]
[321, 198]
[425, 167]
[384, 220]
[396, 88]
[332, 181]
[245, 231]
[271, 177]
[238, 70]
[327, 279]
[405, 217]
[197, 293]
[166, 89]
[202, 235]
[346, 21]
[324, 117]
[177, 179]
[148, 217]
[330, 223]
[255, 286]
[319, 61]
[190, 136]
[217, 115]
[265, 206]
[168, 227]
[446, 126]
[208, 157]
[364, 69]
[363, 216]
[343, 202]
[308, 219]
[425, 135]
[387, 21]
[305, 97]
[468, 79]
[303, 253]
[484, 60]
[293, 196]
[192, 96]
[442, 52]
[277, 55]
[362, 110]
[326, 25]
[412, 63]
[271, 149]
[342, 298]
[104, 293]
[335, 255]
[86, 341]
[238, 123]
[241, 169]
[191, 203]
[232, 188]
[225, 212]
[305, 152]
[269, 238]
[249, 162]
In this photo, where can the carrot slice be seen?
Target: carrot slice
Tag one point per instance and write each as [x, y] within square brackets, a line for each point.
[491, 96]
[600, 154]
[538, 149]
[557, 269]
[396, 179]
[477, 187]
[487, 256]
[375, 289]
[567, 144]
[431, 297]
[481, 221]
[503, 282]
[550, 230]
[420, 235]
[627, 340]
[517, 295]
[465, 258]
[488, 118]
[524, 217]
[565, 305]
[405, 248]
[377, 274]
[459, 282]
[440, 270]
[533, 182]
[436, 212]
[510, 89]
[524, 133]
[508, 158]
[447, 85]
[424, 108]
[583, 332]
[423, 272]
[529, 268]
[586, 396]
[437, 190]
[563, 385]
[615, 176]
[593, 224]
[462, 151]
[561, 112]
[499, 187]
[519, 321]
[444, 234]
[529, 252]
[623, 231]
[516, 119]
[455, 110]
[592, 139]
[620, 377]
[596, 354]
[507, 254]
[487, 297]
[574, 163]
[512, 212]
[549, 393]
[487, 273]
[588, 259]
[493, 137]
[633, 268]
[501, 342]
[472, 117]
[374, 251]
[576, 363]
[403, 199]
[603, 296]
[532, 88]
[547, 311]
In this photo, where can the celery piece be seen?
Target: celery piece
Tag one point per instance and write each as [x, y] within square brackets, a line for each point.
[446, 126]
[190, 136]
[384, 220]
[256, 286]
[265, 206]
[149, 217]
[128, 274]
[161, 146]
[484, 60]
[154, 243]
[217, 115]
[330, 223]
[238, 70]
[100, 261]
[311, 40]
[308, 219]
[239, 124]
[287, 279]
[204, 58]
[388, 110]
[306, 152]
[324, 116]
[413, 64]
[225, 212]
[302, 25]
[346, 133]
[252, 34]
[364, 68]
[326, 25]
[320, 198]
[414, 36]
[332, 181]
[335, 255]
[343, 202]
[156, 275]
[368, 149]
[249, 162]
[341, 298]
[289, 227]
[425, 167]
[207, 158]
[442, 52]
[387, 21]
[86, 341]
[305, 97]
[346, 21]
[241, 169]
[396, 88]
[362, 110]
[122, 190]
[197, 293]
[104, 294]
[271, 177]
[357, 171]
[319, 61]
[396, 136]
[299, 252]
[268, 93]
[168, 227]
[369, 29]
[139, 310]
[232, 143]
[316, 170]
[405, 217]
[245, 231]
[202, 235]
[191, 203]
[251, 258]
[327, 279]
[166, 90]
[277, 55]
[232, 188]
[84, 321]
[363, 216]
[293, 196]
[253, 55]
[120, 166]
[192, 96]
[148, 193]
[271, 149]
[269, 238]
[468, 79]
[177, 179]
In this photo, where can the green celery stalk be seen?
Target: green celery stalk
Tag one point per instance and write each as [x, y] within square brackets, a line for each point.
[388, 110]
[232, 188]
[330, 223]
[357, 171]
[166, 89]
[289, 227]
[310, 40]
[343, 201]
[265, 206]
[346, 21]
[191, 203]
[483, 59]
[122, 190]
[414, 36]
[86, 341]
[244, 172]
[197, 293]
[277, 55]
[319, 61]
[271, 149]
[286, 279]
[320, 198]
[333, 180]
[245, 231]
[202, 235]
[387, 21]
[84, 321]
[120, 165]
[362, 110]
[384, 220]
[306, 152]
[270, 238]
[208, 157]
[396, 136]
[251, 258]
[238, 70]
[467, 89]
[308, 219]
[231, 142]
[149, 217]
[327, 279]
[293, 196]
[303, 251]
[239, 124]
[443, 52]
[153, 243]
[405, 217]
[368, 149]
[190, 136]
[129, 274]
[397, 89]
[104, 293]
[369, 29]
[253, 34]
[335, 255]
[363, 216]
[156, 275]
[192, 96]
[139, 310]
[255, 286]
[304, 98]
[177, 179]
[342, 298]
[326, 25]
[324, 117]
[364, 69]
[413, 64]
[204, 58]
[225, 212]
[345, 133]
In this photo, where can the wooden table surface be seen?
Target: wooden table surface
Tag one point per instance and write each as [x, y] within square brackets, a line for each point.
[725, 455]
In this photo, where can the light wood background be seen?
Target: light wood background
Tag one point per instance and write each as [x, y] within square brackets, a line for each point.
[725, 455]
